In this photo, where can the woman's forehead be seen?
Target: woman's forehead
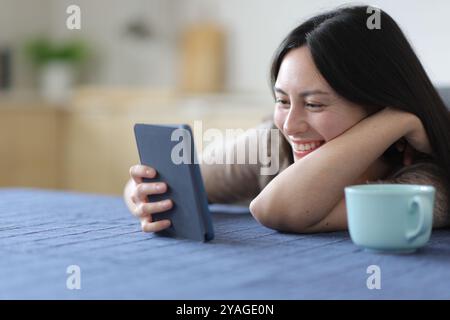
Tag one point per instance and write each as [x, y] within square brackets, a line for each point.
[298, 72]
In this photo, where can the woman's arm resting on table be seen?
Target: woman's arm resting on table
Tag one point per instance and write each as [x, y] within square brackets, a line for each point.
[419, 173]
[309, 195]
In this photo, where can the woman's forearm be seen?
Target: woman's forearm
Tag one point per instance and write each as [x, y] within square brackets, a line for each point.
[303, 194]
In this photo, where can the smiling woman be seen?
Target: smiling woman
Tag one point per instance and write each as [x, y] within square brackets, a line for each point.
[352, 105]
[307, 108]
[339, 102]
[360, 100]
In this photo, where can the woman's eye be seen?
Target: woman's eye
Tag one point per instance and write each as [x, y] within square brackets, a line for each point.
[314, 106]
[281, 101]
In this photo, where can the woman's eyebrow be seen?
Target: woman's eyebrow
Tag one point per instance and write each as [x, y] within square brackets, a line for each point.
[312, 92]
[302, 94]
[276, 89]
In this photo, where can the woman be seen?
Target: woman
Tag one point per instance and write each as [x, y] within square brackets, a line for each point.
[348, 101]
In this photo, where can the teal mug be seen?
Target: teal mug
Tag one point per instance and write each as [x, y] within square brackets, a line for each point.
[390, 217]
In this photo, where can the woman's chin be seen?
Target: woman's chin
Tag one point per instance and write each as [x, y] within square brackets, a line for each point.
[301, 154]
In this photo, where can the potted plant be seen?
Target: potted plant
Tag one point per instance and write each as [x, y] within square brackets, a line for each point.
[56, 64]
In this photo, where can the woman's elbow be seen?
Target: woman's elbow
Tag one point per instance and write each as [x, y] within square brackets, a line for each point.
[268, 214]
[276, 217]
[259, 211]
[267, 211]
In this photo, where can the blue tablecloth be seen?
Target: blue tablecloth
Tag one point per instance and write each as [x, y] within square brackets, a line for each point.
[42, 233]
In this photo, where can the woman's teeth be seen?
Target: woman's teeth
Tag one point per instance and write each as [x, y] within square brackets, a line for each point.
[302, 147]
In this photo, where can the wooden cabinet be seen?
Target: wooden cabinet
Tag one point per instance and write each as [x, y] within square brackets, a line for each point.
[90, 145]
[30, 144]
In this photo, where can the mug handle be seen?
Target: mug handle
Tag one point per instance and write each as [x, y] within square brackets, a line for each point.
[425, 218]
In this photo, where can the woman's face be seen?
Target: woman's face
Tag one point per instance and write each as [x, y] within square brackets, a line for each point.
[307, 110]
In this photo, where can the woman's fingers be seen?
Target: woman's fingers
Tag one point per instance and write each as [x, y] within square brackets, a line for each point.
[408, 155]
[400, 145]
[408, 152]
[147, 209]
[138, 172]
[143, 190]
[149, 226]
[144, 209]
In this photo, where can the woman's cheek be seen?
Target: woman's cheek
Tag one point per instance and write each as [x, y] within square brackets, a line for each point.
[279, 118]
[331, 127]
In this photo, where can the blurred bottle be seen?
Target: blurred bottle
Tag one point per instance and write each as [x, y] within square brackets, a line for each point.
[5, 68]
[203, 58]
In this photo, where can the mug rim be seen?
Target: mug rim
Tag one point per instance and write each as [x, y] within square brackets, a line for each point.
[400, 188]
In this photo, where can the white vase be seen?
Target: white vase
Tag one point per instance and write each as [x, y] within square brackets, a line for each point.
[56, 81]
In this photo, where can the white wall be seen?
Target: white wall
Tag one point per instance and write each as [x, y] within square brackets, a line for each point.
[257, 27]
[118, 59]
[254, 27]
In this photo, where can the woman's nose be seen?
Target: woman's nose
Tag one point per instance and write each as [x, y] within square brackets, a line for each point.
[295, 123]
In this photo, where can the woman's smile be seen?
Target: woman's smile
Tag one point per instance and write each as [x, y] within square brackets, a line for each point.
[302, 148]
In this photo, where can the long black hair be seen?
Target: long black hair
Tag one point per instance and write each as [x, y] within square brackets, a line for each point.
[372, 67]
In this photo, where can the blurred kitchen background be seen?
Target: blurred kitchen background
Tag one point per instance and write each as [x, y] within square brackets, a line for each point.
[69, 98]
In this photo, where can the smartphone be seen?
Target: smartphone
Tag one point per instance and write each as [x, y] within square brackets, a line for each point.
[170, 150]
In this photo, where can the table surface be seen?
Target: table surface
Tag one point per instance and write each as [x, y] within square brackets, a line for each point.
[43, 232]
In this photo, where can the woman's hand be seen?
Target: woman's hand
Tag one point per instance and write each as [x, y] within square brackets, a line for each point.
[137, 193]
[409, 152]
[416, 136]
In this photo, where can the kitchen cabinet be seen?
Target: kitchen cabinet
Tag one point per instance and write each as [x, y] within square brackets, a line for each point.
[30, 144]
[89, 145]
